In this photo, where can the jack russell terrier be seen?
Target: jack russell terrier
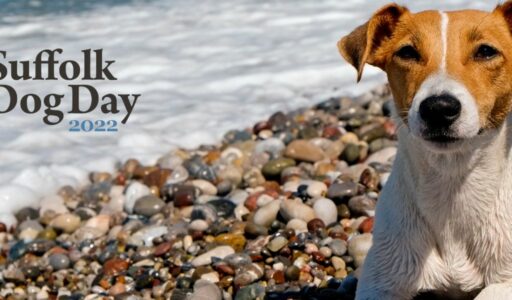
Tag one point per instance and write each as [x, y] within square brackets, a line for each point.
[444, 218]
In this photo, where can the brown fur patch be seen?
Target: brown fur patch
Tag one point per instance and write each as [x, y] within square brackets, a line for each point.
[489, 81]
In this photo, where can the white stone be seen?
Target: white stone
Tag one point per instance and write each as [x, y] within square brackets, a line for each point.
[241, 211]
[212, 277]
[134, 191]
[263, 200]
[298, 225]
[317, 189]
[358, 247]
[198, 225]
[206, 187]
[385, 155]
[99, 222]
[265, 215]
[206, 258]
[326, 210]
[295, 209]
[146, 235]
[205, 290]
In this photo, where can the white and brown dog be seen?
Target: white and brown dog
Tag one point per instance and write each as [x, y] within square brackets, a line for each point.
[444, 219]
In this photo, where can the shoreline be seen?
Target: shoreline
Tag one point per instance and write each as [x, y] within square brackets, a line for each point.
[278, 209]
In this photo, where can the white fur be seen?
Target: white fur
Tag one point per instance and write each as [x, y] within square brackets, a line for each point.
[444, 38]
[444, 219]
[467, 125]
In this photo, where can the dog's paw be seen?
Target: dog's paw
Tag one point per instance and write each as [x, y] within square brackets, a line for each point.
[497, 291]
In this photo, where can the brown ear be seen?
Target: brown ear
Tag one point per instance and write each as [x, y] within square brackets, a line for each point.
[505, 10]
[359, 46]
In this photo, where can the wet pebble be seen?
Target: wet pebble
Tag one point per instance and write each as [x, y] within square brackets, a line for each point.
[59, 261]
[148, 205]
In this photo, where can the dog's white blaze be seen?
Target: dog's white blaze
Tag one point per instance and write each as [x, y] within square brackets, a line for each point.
[440, 82]
[444, 38]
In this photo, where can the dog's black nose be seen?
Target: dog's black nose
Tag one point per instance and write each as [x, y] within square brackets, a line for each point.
[440, 111]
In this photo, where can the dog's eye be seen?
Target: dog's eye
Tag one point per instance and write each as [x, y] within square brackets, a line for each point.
[408, 53]
[485, 52]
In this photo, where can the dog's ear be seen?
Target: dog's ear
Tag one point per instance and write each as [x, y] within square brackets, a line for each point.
[505, 10]
[359, 46]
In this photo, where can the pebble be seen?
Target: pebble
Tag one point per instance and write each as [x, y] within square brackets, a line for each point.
[272, 146]
[276, 166]
[338, 247]
[265, 215]
[277, 243]
[298, 225]
[206, 290]
[295, 209]
[315, 224]
[66, 222]
[27, 213]
[360, 205]
[134, 192]
[183, 195]
[351, 153]
[326, 210]
[358, 247]
[366, 226]
[236, 241]
[385, 155]
[146, 235]
[255, 229]
[206, 258]
[280, 211]
[317, 189]
[59, 261]
[342, 190]
[205, 187]
[303, 150]
[100, 222]
[148, 205]
[248, 274]
[198, 225]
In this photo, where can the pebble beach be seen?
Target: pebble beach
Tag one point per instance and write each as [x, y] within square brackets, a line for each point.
[282, 210]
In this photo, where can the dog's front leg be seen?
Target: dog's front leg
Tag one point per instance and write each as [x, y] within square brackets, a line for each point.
[382, 277]
[402, 260]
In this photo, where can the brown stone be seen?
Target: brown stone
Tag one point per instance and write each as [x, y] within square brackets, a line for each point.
[331, 132]
[162, 249]
[184, 195]
[304, 151]
[263, 125]
[130, 166]
[115, 266]
[278, 276]
[339, 235]
[224, 269]
[318, 257]
[141, 171]
[212, 157]
[315, 224]
[367, 225]
[236, 241]
[156, 177]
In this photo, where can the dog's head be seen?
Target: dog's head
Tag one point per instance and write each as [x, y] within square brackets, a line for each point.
[450, 72]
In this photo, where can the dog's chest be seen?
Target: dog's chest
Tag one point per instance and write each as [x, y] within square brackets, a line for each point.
[461, 270]
[469, 218]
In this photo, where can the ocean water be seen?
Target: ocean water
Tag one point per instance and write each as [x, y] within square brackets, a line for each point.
[202, 67]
